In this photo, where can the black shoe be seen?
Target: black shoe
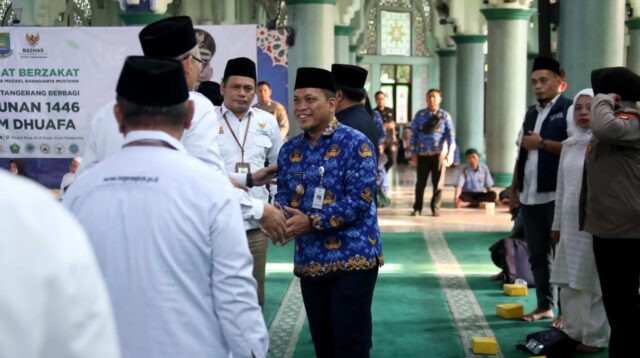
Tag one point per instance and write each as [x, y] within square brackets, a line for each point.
[416, 213]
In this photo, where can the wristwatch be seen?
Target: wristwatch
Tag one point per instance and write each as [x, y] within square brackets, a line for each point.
[541, 144]
[249, 180]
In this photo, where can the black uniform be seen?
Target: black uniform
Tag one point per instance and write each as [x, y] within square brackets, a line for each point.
[357, 118]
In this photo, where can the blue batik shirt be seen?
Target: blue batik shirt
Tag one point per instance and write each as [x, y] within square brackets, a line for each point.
[430, 132]
[345, 234]
[475, 181]
[382, 135]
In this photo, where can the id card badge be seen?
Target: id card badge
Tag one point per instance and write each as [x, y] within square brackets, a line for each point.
[318, 198]
[243, 168]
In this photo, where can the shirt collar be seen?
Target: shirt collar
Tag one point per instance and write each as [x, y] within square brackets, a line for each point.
[328, 130]
[550, 104]
[226, 112]
[347, 111]
[155, 136]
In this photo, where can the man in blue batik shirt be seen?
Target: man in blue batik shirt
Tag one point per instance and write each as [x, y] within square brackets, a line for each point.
[431, 149]
[326, 185]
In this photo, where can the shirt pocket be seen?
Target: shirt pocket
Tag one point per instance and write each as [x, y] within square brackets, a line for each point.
[256, 149]
[261, 140]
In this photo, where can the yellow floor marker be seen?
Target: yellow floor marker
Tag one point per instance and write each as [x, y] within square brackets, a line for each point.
[485, 345]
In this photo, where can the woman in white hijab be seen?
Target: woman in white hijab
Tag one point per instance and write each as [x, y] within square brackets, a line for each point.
[574, 268]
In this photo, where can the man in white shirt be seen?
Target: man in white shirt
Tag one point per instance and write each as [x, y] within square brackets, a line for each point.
[166, 229]
[536, 171]
[249, 137]
[54, 302]
[175, 37]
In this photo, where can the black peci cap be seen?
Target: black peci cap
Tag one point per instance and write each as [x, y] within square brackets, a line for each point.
[311, 77]
[152, 81]
[240, 66]
[170, 37]
[349, 76]
[546, 63]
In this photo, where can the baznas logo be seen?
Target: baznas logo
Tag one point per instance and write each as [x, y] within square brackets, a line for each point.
[32, 39]
[5, 44]
[14, 148]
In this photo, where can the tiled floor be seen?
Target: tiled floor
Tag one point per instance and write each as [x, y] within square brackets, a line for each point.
[395, 218]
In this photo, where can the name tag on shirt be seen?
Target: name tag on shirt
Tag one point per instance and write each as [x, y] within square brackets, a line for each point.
[556, 116]
[243, 168]
[318, 198]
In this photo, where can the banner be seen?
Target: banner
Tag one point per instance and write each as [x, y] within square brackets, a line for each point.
[53, 79]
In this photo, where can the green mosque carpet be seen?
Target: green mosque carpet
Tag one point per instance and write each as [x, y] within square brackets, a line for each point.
[431, 297]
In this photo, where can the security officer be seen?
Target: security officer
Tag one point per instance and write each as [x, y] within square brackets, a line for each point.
[166, 229]
[350, 82]
[326, 184]
[611, 200]
[248, 137]
[431, 149]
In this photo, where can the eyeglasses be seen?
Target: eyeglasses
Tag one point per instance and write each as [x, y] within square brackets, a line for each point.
[200, 61]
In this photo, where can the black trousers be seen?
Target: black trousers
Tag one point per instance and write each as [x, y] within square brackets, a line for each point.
[537, 221]
[618, 264]
[476, 198]
[429, 165]
[339, 313]
[391, 156]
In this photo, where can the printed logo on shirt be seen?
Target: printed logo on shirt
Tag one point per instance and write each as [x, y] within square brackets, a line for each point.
[332, 152]
[366, 195]
[221, 130]
[132, 179]
[296, 156]
[262, 125]
[364, 150]
[331, 243]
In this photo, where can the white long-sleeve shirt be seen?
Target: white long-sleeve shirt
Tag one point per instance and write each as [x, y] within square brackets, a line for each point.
[168, 235]
[200, 140]
[53, 300]
[263, 143]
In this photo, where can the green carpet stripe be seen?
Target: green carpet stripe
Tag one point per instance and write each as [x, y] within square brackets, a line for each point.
[287, 324]
[409, 312]
[471, 248]
[410, 318]
[467, 314]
